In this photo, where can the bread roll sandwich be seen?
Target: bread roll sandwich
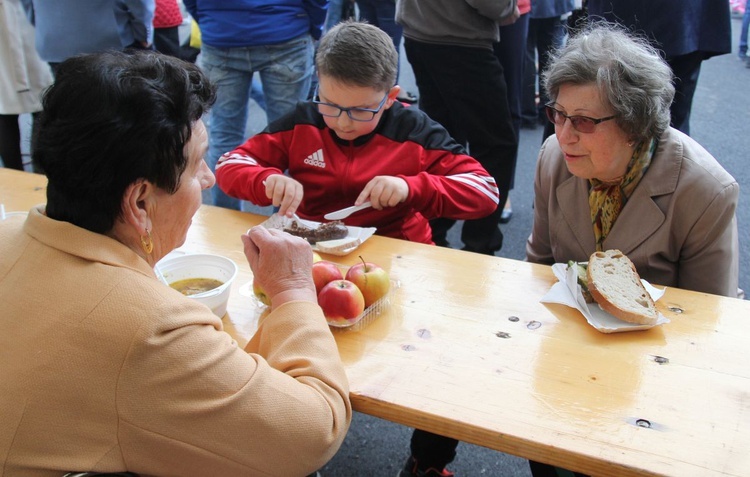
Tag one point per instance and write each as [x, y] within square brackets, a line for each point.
[616, 286]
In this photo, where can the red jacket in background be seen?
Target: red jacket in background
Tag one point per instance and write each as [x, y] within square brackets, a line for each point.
[167, 14]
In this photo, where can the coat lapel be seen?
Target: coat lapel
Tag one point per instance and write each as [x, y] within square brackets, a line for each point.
[642, 216]
[573, 197]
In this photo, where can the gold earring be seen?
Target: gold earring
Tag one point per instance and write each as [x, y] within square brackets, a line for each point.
[147, 243]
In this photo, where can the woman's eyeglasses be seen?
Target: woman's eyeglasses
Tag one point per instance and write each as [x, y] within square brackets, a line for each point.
[355, 114]
[582, 124]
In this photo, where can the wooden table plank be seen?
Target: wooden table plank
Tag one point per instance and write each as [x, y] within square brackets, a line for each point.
[467, 350]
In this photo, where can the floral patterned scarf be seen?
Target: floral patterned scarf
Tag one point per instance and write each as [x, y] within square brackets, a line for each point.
[606, 199]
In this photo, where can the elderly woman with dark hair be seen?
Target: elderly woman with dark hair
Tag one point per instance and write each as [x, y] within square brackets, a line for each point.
[106, 369]
[615, 175]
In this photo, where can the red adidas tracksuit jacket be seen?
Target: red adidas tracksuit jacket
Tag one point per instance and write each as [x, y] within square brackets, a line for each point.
[443, 180]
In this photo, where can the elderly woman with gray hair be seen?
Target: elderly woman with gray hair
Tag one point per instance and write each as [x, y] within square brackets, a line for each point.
[615, 175]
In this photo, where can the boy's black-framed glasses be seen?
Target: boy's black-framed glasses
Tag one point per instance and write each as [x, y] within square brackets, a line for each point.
[355, 114]
[582, 124]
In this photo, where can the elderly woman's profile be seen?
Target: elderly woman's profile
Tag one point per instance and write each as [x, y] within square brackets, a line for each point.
[106, 369]
[615, 175]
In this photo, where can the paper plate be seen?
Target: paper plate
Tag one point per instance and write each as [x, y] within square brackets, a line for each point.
[357, 235]
[568, 292]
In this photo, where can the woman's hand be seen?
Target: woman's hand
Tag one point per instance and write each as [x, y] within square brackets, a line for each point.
[284, 192]
[281, 264]
[384, 191]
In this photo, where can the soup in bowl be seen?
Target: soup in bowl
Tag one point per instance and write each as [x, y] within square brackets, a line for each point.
[203, 277]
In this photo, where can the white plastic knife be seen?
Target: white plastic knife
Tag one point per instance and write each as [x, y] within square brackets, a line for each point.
[343, 213]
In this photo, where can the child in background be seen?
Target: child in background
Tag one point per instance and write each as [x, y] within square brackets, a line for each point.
[355, 142]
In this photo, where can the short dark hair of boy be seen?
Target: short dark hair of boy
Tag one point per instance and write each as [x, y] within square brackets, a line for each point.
[358, 53]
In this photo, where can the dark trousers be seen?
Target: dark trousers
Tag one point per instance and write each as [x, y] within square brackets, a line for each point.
[511, 53]
[545, 470]
[382, 14]
[432, 450]
[543, 36]
[167, 41]
[10, 141]
[464, 89]
[686, 69]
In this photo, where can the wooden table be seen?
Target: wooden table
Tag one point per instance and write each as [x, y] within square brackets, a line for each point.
[467, 350]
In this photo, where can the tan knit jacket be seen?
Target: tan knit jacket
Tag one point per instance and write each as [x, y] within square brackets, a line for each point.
[104, 368]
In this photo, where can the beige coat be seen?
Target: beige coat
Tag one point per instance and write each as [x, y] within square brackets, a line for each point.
[679, 226]
[23, 75]
[104, 368]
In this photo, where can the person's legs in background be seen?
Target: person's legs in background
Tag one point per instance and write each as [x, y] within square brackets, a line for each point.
[286, 72]
[167, 41]
[686, 69]
[545, 42]
[10, 142]
[475, 111]
[545, 470]
[434, 451]
[529, 112]
[552, 36]
[743, 32]
[382, 14]
[433, 101]
[232, 74]
[333, 15]
[511, 51]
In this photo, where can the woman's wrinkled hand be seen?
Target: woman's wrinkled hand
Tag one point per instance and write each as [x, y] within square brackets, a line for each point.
[281, 264]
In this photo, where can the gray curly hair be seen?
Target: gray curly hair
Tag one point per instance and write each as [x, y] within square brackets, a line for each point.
[630, 73]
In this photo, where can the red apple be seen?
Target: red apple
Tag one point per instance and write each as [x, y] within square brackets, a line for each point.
[324, 272]
[260, 293]
[341, 300]
[371, 279]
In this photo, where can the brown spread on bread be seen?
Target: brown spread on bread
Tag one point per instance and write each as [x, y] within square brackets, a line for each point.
[327, 231]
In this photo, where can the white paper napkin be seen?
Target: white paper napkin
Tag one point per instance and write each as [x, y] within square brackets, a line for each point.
[567, 292]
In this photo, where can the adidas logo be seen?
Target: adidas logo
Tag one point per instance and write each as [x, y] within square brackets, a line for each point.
[316, 159]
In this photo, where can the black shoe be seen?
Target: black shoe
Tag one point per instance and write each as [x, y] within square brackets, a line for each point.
[529, 123]
[407, 97]
[482, 251]
[410, 470]
[506, 214]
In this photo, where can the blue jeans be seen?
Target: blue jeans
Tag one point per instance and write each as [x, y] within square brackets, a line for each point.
[285, 72]
[333, 16]
[511, 51]
[743, 32]
[382, 14]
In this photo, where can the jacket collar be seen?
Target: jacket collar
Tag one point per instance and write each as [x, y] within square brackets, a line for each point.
[79, 242]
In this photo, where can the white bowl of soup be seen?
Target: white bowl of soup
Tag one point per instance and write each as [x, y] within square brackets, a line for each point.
[202, 277]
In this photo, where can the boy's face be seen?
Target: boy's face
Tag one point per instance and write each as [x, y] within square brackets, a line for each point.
[344, 95]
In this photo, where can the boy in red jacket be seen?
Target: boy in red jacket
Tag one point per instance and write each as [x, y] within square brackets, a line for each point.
[355, 142]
